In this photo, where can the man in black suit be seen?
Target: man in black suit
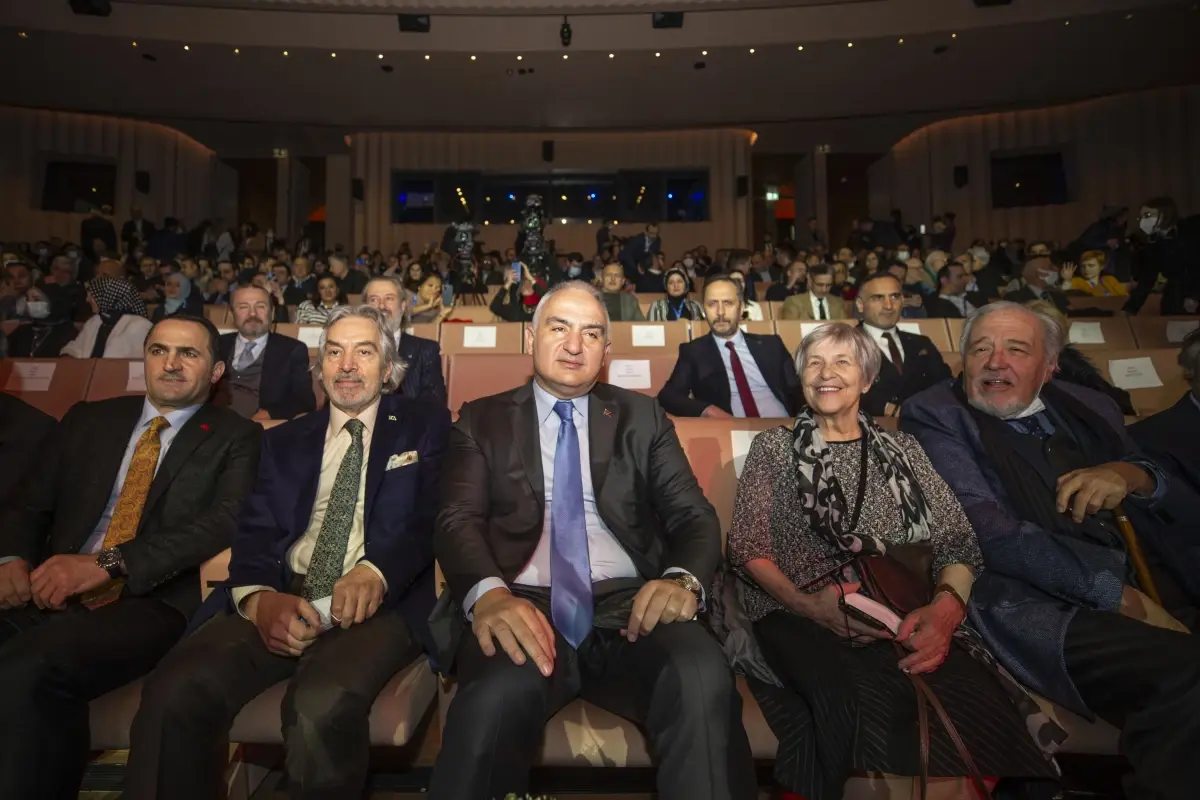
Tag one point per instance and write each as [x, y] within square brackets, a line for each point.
[98, 227]
[911, 362]
[573, 535]
[637, 249]
[103, 544]
[1172, 437]
[351, 280]
[1039, 277]
[136, 230]
[300, 283]
[423, 379]
[951, 301]
[331, 584]
[729, 373]
[267, 373]
[23, 428]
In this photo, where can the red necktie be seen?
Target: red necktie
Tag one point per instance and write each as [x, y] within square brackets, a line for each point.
[894, 352]
[743, 385]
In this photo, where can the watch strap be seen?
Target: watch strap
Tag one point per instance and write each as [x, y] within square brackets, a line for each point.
[945, 588]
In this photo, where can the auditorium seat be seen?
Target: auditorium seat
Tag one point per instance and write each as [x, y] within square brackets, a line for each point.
[52, 385]
[309, 334]
[1080, 301]
[772, 308]
[1156, 332]
[472, 313]
[1101, 333]
[116, 377]
[956, 329]
[935, 329]
[497, 338]
[475, 375]
[216, 314]
[954, 362]
[647, 299]
[9, 325]
[425, 330]
[793, 331]
[646, 338]
[645, 373]
[760, 290]
[763, 327]
[1120, 366]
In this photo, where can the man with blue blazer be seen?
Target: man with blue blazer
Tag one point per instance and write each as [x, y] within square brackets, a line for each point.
[331, 584]
[423, 376]
[729, 373]
[1041, 469]
[1172, 436]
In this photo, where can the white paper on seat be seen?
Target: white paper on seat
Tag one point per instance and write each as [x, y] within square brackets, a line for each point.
[482, 336]
[1134, 373]
[649, 336]
[136, 382]
[310, 335]
[808, 327]
[741, 440]
[224, 331]
[30, 377]
[1086, 333]
[1179, 328]
[629, 373]
[909, 327]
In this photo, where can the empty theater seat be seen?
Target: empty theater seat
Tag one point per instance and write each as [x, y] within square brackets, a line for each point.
[630, 338]
[495, 337]
[116, 377]
[475, 375]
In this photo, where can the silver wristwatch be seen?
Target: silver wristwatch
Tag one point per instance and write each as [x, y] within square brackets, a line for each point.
[109, 559]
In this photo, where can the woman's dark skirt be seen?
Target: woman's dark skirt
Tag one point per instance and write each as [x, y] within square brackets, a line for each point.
[847, 709]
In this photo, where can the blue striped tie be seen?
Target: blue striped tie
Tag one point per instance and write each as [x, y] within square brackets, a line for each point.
[570, 564]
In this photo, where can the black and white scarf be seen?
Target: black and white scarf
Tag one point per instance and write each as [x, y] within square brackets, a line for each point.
[822, 498]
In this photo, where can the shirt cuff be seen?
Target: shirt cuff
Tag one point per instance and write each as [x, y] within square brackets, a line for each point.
[478, 591]
[701, 604]
[239, 595]
[7, 559]
[1161, 482]
[362, 562]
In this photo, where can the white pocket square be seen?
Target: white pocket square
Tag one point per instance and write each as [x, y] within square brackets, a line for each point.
[402, 459]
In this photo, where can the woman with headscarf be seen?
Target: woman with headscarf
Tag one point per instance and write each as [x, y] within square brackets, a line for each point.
[178, 298]
[46, 327]
[119, 327]
[677, 304]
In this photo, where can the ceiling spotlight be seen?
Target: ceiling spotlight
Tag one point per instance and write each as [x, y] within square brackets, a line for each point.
[472, 58]
[703, 52]
[564, 197]
[954, 36]
[612, 55]
[333, 55]
[1129, 16]
[485, 222]
[751, 51]
[285, 53]
[564, 33]
[236, 51]
[520, 58]
[849, 44]
[564, 220]
[22, 35]
[799, 47]
[185, 47]
[135, 44]
[900, 42]
[381, 56]
[589, 222]
[426, 57]
[1067, 22]
[658, 55]
[511, 221]
[565, 56]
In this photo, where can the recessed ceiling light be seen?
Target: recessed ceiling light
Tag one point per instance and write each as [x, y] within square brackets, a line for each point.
[589, 222]
[185, 47]
[333, 55]
[564, 220]
[751, 51]
[381, 56]
[520, 58]
[1067, 22]
[900, 42]
[1129, 16]
[511, 221]
[426, 57]
[612, 55]
[849, 44]
[658, 55]
[565, 56]
[285, 52]
[799, 47]
[564, 197]
[472, 58]
[135, 44]
[703, 52]
[485, 222]
[954, 36]
[236, 51]
[23, 35]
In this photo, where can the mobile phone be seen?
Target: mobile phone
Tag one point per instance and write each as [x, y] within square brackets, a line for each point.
[516, 271]
[870, 612]
[922, 228]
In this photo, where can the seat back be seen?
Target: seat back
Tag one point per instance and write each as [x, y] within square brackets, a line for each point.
[309, 334]
[935, 329]
[1156, 332]
[793, 331]
[51, 385]
[425, 330]
[473, 313]
[116, 377]
[476, 375]
[1137, 371]
[646, 338]
[761, 327]
[215, 314]
[497, 338]
[642, 373]
[1101, 333]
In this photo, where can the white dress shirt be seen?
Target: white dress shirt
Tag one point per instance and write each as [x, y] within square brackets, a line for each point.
[816, 306]
[877, 335]
[241, 343]
[337, 444]
[960, 302]
[607, 556]
[768, 405]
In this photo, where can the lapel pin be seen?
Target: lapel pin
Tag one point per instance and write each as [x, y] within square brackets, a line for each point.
[204, 426]
[391, 417]
[607, 413]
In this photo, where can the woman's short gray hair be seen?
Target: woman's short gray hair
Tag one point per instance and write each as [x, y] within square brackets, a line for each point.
[1052, 332]
[579, 286]
[387, 342]
[866, 352]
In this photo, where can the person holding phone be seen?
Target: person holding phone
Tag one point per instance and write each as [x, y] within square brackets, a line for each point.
[517, 301]
[813, 497]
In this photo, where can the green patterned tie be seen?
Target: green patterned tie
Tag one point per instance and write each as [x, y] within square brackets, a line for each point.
[329, 554]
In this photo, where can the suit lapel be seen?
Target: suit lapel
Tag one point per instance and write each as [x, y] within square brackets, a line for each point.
[769, 372]
[603, 416]
[193, 433]
[107, 452]
[713, 370]
[301, 460]
[528, 441]
[383, 439]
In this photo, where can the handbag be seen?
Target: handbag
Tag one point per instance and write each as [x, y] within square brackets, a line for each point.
[902, 580]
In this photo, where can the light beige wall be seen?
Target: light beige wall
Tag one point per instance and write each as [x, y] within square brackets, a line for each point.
[1119, 150]
[181, 169]
[726, 154]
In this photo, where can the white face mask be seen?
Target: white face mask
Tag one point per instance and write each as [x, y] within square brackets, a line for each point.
[1051, 278]
[1148, 224]
[689, 262]
[38, 309]
[902, 255]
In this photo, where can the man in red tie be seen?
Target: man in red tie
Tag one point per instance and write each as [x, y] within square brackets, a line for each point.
[728, 373]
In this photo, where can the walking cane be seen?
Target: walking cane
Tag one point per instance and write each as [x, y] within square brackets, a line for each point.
[1136, 555]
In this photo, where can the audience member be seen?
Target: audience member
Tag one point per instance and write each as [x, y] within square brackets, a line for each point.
[795, 282]
[1075, 367]
[179, 297]
[350, 281]
[518, 299]
[18, 277]
[422, 357]
[327, 296]
[1042, 469]
[951, 301]
[1169, 247]
[814, 498]
[23, 429]
[429, 304]
[119, 326]
[677, 304]
[1091, 282]
[727, 373]
[63, 275]
[331, 583]
[817, 304]
[103, 544]
[622, 306]
[986, 279]
[266, 375]
[638, 248]
[1172, 437]
[910, 362]
[47, 326]
[1039, 277]
[751, 310]
[592, 598]
[217, 293]
[98, 228]
[136, 231]
[414, 276]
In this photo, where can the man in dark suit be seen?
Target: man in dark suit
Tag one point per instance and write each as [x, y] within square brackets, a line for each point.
[136, 230]
[423, 379]
[1040, 467]
[951, 301]
[1038, 282]
[300, 282]
[573, 534]
[102, 547]
[729, 373]
[267, 373]
[1172, 436]
[911, 362]
[331, 584]
[98, 227]
[23, 428]
[638, 249]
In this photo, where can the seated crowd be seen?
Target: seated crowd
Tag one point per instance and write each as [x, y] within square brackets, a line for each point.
[1043, 548]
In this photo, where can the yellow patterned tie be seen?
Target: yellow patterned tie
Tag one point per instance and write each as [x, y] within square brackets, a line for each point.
[127, 513]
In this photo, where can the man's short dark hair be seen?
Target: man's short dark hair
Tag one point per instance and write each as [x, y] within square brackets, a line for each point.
[723, 277]
[737, 257]
[787, 250]
[819, 269]
[943, 274]
[214, 336]
[878, 276]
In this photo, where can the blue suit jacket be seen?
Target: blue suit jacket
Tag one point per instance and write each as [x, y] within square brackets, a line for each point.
[401, 504]
[1033, 580]
[424, 380]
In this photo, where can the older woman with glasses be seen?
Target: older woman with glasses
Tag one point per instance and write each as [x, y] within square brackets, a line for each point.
[814, 502]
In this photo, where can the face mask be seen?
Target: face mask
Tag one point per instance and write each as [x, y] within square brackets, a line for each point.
[1051, 278]
[1033, 408]
[689, 262]
[1148, 224]
[37, 309]
[902, 255]
[574, 272]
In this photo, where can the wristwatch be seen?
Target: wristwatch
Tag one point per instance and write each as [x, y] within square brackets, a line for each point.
[688, 582]
[109, 559]
[945, 588]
